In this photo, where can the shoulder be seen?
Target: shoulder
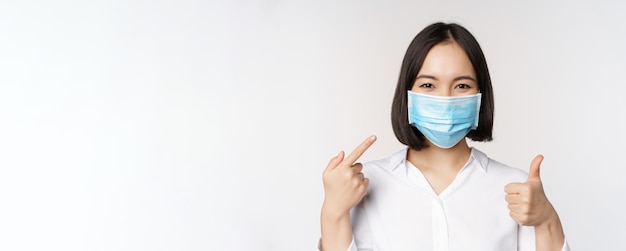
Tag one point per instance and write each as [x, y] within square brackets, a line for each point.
[498, 169]
[387, 164]
[385, 175]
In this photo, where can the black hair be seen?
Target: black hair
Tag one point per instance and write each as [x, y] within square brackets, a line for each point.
[414, 58]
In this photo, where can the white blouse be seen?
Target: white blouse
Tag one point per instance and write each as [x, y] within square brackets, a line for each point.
[402, 212]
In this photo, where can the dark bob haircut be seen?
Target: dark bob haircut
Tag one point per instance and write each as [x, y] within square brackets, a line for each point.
[414, 58]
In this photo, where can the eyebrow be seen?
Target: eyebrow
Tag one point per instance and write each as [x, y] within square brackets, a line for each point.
[466, 77]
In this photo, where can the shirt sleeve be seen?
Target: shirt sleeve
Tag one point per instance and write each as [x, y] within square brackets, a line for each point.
[526, 240]
[352, 246]
[565, 246]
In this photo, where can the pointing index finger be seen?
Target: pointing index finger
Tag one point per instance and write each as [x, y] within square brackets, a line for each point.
[359, 150]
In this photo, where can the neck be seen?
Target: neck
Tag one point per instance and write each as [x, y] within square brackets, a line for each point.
[434, 158]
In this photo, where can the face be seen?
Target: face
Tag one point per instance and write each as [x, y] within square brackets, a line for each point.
[447, 71]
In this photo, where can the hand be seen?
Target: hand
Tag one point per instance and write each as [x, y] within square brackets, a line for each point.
[527, 201]
[344, 183]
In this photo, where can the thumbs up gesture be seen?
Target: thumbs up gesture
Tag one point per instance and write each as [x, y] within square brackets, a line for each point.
[527, 201]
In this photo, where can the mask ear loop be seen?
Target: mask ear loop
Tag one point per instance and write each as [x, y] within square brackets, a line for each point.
[479, 96]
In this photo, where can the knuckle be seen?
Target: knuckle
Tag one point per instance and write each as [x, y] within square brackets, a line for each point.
[524, 219]
[511, 207]
[507, 187]
[362, 188]
[525, 199]
[514, 216]
[508, 198]
[326, 175]
[525, 208]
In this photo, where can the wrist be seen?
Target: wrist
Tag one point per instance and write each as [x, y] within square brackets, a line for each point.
[332, 214]
[551, 220]
[549, 233]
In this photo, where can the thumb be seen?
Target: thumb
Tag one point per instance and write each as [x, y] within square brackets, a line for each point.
[334, 162]
[533, 173]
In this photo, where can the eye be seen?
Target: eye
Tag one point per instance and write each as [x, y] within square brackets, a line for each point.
[462, 86]
[426, 85]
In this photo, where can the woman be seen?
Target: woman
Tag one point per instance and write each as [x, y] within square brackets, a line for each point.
[438, 193]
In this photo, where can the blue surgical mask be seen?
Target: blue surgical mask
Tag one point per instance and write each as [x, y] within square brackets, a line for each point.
[443, 120]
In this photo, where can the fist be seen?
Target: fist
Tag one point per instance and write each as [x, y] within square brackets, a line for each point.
[527, 201]
[344, 183]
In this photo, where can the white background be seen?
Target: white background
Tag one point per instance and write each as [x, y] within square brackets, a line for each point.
[195, 125]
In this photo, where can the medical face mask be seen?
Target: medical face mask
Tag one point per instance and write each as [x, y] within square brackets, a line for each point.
[443, 120]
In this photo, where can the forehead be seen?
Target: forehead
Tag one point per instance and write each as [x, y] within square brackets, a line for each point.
[447, 59]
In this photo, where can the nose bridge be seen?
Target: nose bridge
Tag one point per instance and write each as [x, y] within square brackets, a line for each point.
[445, 90]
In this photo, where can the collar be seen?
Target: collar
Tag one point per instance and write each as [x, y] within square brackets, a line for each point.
[481, 158]
[397, 161]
